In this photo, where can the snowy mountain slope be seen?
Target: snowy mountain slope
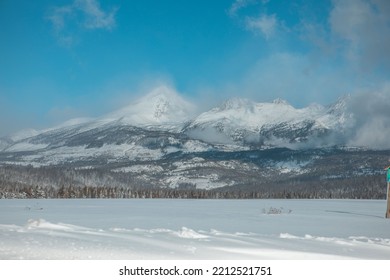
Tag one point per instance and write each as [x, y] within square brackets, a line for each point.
[23, 134]
[188, 164]
[161, 110]
[5, 143]
[162, 106]
[238, 124]
[274, 124]
[98, 143]
[153, 142]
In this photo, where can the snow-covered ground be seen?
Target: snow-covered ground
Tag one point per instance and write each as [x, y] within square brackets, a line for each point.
[193, 229]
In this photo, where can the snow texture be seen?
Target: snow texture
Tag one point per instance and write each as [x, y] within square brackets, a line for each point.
[193, 229]
[241, 113]
[163, 105]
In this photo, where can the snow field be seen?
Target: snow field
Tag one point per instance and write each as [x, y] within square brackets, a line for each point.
[193, 229]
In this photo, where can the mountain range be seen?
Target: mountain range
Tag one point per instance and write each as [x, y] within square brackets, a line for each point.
[161, 141]
[239, 122]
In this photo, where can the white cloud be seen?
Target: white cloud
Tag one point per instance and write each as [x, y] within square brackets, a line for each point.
[238, 5]
[339, 52]
[371, 112]
[265, 25]
[288, 76]
[57, 16]
[86, 14]
[374, 133]
[364, 27]
[95, 17]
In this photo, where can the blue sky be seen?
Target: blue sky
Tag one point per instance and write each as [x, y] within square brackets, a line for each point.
[80, 58]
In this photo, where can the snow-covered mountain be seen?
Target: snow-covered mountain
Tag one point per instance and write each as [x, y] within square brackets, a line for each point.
[163, 107]
[165, 117]
[156, 141]
[272, 124]
[145, 130]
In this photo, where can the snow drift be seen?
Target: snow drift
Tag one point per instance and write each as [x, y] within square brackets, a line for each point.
[193, 229]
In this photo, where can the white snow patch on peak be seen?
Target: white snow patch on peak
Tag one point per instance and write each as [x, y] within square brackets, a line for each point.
[162, 105]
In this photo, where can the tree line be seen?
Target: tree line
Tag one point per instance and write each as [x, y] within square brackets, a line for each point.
[314, 190]
[50, 182]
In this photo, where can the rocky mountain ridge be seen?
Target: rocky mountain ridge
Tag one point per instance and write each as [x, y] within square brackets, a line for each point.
[237, 121]
[158, 142]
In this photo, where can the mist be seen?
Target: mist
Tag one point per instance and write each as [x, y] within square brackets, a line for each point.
[371, 115]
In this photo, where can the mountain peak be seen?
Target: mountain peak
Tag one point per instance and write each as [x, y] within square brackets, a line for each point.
[340, 105]
[280, 101]
[161, 105]
[162, 92]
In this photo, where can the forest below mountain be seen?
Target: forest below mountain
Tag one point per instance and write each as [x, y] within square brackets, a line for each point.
[51, 182]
